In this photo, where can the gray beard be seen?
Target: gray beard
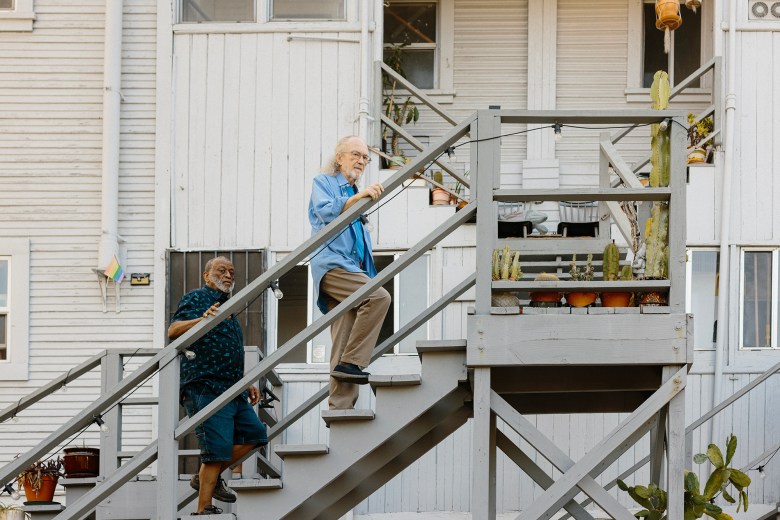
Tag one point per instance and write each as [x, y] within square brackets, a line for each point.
[352, 177]
[224, 287]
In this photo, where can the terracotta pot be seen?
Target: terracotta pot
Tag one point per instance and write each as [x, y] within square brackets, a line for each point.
[440, 197]
[46, 491]
[616, 299]
[667, 14]
[81, 462]
[581, 299]
[553, 297]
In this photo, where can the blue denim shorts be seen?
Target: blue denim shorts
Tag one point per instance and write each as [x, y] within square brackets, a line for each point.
[234, 424]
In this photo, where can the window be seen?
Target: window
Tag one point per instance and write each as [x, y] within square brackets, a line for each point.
[414, 27]
[759, 293]
[14, 298]
[685, 53]
[307, 10]
[409, 292]
[217, 11]
[702, 298]
[16, 15]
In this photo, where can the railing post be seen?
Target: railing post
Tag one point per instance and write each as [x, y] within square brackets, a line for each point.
[168, 447]
[677, 216]
[111, 372]
[487, 171]
[717, 89]
[251, 358]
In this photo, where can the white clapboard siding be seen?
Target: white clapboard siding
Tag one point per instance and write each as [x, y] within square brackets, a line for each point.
[50, 191]
[255, 117]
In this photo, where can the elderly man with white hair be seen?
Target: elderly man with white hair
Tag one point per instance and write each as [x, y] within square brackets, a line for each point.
[342, 266]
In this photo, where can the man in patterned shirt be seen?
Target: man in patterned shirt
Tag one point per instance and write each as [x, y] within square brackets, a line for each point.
[235, 429]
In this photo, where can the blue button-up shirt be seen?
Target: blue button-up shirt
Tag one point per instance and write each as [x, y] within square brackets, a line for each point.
[219, 355]
[328, 195]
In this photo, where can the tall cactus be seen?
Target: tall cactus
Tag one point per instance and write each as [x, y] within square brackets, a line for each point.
[657, 241]
[611, 260]
[659, 92]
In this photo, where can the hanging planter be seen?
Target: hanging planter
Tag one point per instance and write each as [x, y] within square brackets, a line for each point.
[692, 4]
[667, 19]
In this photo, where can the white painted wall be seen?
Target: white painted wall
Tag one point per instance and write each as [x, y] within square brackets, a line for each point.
[50, 139]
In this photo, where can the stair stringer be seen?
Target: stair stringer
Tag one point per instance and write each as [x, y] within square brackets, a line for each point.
[364, 455]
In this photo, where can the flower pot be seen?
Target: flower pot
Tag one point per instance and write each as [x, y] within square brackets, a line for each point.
[654, 298]
[667, 14]
[81, 462]
[440, 197]
[692, 4]
[697, 155]
[546, 297]
[12, 514]
[581, 299]
[616, 299]
[43, 494]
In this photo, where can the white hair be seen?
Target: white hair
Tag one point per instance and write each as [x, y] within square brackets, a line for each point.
[332, 166]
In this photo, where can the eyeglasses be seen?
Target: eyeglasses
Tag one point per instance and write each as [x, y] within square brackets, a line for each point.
[357, 155]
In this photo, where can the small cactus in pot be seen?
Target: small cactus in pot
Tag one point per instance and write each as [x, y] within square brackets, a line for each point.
[612, 273]
[546, 299]
[506, 266]
[581, 274]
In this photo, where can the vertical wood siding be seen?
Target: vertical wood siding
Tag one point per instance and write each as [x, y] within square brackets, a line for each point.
[255, 115]
[50, 187]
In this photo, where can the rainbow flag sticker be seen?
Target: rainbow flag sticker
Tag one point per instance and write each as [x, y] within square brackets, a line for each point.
[114, 270]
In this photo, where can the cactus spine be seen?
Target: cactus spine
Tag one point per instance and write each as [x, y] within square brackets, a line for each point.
[611, 262]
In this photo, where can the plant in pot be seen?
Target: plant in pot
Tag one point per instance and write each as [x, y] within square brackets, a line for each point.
[698, 503]
[40, 480]
[505, 266]
[657, 226]
[401, 111]
[581, 274]
[81, 462]
[697, 131]
[11, 512]
[439, 196]
[613, 272]
[546, 298]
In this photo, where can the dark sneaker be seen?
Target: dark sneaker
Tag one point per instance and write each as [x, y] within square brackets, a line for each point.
[209, 510]
[349, 373]
[221, 492]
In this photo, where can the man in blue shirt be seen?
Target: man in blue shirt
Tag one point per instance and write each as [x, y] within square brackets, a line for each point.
[235, 429]
[342, 266]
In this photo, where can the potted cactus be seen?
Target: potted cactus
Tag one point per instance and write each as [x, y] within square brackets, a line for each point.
[439, 196]
[546, 299]
[581, 274]
[506, 266]
[657, 226]
[613, 272]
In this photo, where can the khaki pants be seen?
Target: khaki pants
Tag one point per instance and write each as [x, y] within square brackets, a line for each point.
[354, 333]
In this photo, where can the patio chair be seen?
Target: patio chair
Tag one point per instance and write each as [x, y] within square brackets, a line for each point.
[579, 219]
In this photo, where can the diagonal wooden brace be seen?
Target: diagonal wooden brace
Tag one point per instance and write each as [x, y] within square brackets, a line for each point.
[530, 468]
[605, 452]
[557, 457]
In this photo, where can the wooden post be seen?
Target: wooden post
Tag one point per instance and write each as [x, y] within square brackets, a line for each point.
[168, 446]
[483, 495]
[110, 441]
[486, 178]
[676, 445]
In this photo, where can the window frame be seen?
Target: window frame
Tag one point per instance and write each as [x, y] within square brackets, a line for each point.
[16, 365]
[19, 18]
[775, 293]
[635, 92]
[270, 16]
[443, 83]
[689, 286]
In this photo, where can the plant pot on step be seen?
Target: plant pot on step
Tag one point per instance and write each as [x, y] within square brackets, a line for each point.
[11, 513]
[616, 299]
[654, 298]
[581, 299]
[81, 462]
[440, 197]
[697, 155]
[44, 492]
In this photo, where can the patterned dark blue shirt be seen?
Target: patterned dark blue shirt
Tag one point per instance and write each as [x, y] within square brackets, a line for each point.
[219, 355]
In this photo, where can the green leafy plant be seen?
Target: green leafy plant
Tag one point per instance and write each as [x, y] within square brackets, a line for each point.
[698, 503]
[401, 111]
[698, 130]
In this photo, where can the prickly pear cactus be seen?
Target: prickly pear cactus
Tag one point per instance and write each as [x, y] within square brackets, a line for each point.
[661, 148]
[611, 262]
[657, 242]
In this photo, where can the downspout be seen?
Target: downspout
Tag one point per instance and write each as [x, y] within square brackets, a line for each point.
[112, 76]
[725, 217]
[365, 70]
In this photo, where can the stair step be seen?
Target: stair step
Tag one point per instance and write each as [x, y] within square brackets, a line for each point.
[441, 345]
[221, 516]
[330, 416]
[284, 450]
[44, 511]
[394, 380]
[246, 484]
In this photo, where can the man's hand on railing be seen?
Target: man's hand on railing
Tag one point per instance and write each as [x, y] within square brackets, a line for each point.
[254, 395]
